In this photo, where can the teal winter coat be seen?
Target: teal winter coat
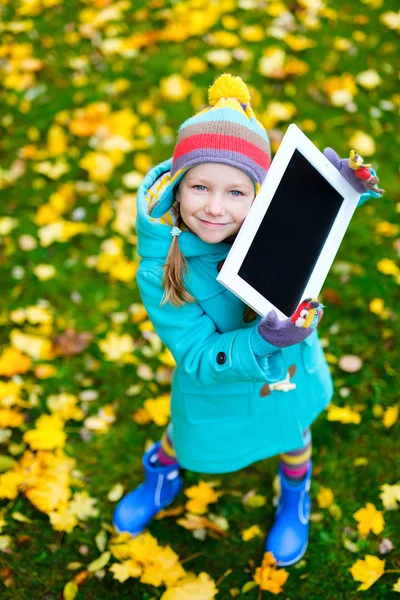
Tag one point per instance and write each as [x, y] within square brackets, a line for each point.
[228, 407]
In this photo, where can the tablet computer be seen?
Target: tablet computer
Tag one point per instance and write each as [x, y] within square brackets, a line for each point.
[289, 239]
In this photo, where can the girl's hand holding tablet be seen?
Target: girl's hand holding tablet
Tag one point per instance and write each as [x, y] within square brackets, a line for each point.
[294, 330]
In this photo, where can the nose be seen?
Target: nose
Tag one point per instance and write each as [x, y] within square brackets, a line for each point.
[215, 205]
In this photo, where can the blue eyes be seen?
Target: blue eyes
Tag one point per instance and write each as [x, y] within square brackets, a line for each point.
[235, 193]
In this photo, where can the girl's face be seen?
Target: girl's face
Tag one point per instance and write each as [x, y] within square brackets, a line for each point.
[214, 200]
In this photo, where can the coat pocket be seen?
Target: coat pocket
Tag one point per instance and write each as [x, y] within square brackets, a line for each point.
[215, 402]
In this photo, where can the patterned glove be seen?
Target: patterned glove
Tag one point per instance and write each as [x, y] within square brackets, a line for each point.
[293, 330]
[359, 175]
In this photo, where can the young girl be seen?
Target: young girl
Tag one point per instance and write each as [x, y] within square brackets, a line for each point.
[244, 388]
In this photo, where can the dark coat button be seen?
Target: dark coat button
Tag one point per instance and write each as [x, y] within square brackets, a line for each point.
[221, 358]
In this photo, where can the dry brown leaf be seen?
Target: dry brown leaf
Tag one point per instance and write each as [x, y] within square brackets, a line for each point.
[70, 342]
[170, 512]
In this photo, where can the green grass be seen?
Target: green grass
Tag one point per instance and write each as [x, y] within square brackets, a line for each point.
[38, 562]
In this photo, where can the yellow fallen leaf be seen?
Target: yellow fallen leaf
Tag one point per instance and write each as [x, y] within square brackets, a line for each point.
[268, 577]
[369, 519]
[325, 497]
[390, 496]
[13, 361]
[368, 571]
[48, 434]
[200, 587]
[35, 346]
[343, 414]
[100, 562]
[70, 591]
[129, 568]
[201, 496]
[159, 409]
[390, 416]
[251, 532]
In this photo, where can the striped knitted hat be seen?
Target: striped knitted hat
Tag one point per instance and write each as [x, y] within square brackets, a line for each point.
[227, 132]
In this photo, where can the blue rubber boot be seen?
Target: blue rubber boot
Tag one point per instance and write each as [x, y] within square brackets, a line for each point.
[161, 486]
[288, 537]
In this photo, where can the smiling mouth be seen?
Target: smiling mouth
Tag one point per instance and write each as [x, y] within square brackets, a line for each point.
[212, 224]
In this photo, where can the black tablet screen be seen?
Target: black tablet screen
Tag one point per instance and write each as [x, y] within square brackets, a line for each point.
[291, 236]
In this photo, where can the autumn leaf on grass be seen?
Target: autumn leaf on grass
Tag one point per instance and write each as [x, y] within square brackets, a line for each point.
[116, 347]
[343, 414]
[10, 483]
[169, 512]
[390, 415]
[197, 522]
[101, 422]
[201, 496]
[13, 362]
[390, 496]
[128, 568]
[65, 406]
[369, 519]
[159, 409]
[268, 577]
[71, 343]
[251, 532]
[35, 346]
[48, 434]
[367, 571]
[325, 497]
[82, 506]
[10, 418]
[63, 520]
[192, 587]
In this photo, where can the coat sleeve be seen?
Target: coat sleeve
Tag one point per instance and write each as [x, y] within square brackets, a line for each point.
[200, 351]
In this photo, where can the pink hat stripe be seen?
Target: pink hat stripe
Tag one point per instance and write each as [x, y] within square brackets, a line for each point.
[226, 157]
[222, 142]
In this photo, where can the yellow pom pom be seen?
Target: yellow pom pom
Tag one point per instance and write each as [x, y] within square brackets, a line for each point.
[227, 86]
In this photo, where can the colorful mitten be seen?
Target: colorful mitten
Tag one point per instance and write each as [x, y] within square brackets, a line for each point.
[294, 330]
[360, 176]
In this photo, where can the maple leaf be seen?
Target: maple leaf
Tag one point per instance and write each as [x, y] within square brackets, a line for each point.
[12, 362]
[48, 433]
[70, 342]
[367, 571]
[197, 522]
[268, 577]
[201, 587]
[201, 496]
[63, 520]
[159, 409]
[129, 568]
[82, 506]
[369, 519]
[390, 496]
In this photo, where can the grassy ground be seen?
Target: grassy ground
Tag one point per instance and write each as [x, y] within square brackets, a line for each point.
[78, 68]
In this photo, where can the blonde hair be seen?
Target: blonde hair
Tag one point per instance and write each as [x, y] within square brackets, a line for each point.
[174, 270]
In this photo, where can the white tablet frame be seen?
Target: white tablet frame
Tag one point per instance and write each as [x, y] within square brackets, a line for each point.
[294, 139]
